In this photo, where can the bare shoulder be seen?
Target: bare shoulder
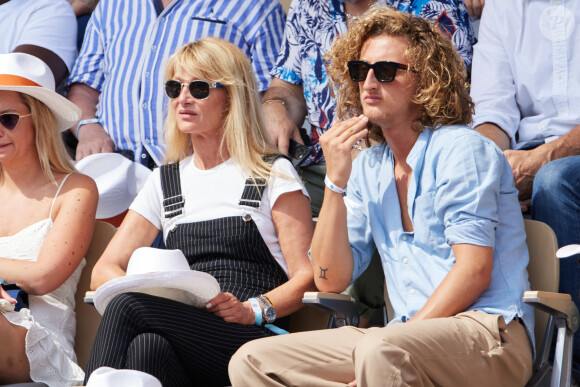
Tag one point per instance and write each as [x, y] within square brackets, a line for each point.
[80, 181]
[78, 190]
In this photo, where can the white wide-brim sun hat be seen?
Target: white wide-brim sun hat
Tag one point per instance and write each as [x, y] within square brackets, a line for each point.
[118, 180]
[162, 273]
[27, 74]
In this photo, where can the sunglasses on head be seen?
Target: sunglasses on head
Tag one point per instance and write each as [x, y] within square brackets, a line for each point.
[198, 89]
[384, 71]
[10, 120]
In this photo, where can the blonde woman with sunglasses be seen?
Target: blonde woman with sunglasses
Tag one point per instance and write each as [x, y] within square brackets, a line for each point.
[235, 210]
[46, 223]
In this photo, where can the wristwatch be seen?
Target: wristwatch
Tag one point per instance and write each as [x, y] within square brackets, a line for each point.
[268, 310]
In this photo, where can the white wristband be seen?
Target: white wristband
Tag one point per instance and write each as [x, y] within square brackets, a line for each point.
[333, 187]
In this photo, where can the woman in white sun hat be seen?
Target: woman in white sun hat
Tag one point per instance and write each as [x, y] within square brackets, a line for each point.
[46, 223]
[235, 210]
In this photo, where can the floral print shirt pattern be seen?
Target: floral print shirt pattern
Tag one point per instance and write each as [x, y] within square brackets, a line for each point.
[312, 26]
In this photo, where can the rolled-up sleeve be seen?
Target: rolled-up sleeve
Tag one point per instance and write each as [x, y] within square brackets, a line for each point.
[492, 82]
[267, 45]
[287, 66]
[88, 68]
[467, 189]
[359, 230]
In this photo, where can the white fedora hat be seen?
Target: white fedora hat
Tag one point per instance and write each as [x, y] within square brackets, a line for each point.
[107, 376]
[27, 74]
[118, 180]
[162, 273]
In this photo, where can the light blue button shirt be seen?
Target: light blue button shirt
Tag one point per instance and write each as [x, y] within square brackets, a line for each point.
[461, 191]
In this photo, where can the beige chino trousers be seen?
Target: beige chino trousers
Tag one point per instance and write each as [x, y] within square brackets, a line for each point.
[471, 349]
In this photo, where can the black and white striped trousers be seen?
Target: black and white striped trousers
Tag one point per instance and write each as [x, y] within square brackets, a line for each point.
[179, 344]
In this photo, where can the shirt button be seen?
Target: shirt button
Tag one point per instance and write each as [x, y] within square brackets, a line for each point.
[143, 156]
[161, 18]
[405, 261]
[404, 237]
[153, 48]
[144, 106]
[146, 75]
[412, 291]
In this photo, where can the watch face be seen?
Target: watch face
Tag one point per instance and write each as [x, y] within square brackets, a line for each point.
[270, 314]
[268, 310]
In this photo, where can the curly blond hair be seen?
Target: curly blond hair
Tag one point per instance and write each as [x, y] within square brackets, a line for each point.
[442, 88]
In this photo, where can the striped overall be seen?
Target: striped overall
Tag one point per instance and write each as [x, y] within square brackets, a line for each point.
[179, 344]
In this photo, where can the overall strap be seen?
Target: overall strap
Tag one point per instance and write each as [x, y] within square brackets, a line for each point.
[253, 190]
[55, 196]
[173, 202]
[254, 186]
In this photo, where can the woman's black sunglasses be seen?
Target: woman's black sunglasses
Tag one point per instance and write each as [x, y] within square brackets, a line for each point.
[10, 120]
[198, 89]
[384, 71]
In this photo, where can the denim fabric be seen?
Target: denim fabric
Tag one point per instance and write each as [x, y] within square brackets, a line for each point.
[556, 202]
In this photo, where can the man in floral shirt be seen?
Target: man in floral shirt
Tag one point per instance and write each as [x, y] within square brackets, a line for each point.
[300, 85]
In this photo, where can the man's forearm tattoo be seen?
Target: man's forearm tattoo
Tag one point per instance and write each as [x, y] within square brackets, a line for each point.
[323, 273]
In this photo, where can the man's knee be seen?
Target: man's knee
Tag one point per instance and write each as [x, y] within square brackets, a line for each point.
[245, 359]
[379, 346]
[556, 176]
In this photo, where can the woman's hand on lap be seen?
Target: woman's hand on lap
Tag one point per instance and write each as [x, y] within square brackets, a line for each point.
[228, 307]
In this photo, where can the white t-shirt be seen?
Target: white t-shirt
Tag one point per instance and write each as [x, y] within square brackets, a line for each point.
[215, 193]
[45, 23]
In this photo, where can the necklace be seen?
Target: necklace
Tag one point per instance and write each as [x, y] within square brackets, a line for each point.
[349, 16]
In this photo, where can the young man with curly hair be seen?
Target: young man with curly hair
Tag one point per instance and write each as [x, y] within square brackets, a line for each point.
[438, 201]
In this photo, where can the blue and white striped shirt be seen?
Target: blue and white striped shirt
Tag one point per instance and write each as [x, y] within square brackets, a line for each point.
[126, 48]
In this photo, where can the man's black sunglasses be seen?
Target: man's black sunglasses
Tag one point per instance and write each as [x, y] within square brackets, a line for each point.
[384, 71]
[10, 120]
[198, 89]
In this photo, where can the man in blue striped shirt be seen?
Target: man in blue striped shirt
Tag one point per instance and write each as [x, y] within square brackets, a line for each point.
[118, 77]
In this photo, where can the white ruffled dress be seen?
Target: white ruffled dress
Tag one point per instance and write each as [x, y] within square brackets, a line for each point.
[50, 319]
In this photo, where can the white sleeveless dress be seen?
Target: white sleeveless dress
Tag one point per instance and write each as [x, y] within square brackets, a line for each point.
[50, 319]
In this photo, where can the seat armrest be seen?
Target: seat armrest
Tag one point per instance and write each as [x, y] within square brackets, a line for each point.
[555, 303]
[89, 297]
[341, 307]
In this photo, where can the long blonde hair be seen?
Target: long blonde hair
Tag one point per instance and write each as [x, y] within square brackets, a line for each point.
[52, 154]
[244, 131]
[442, 89]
